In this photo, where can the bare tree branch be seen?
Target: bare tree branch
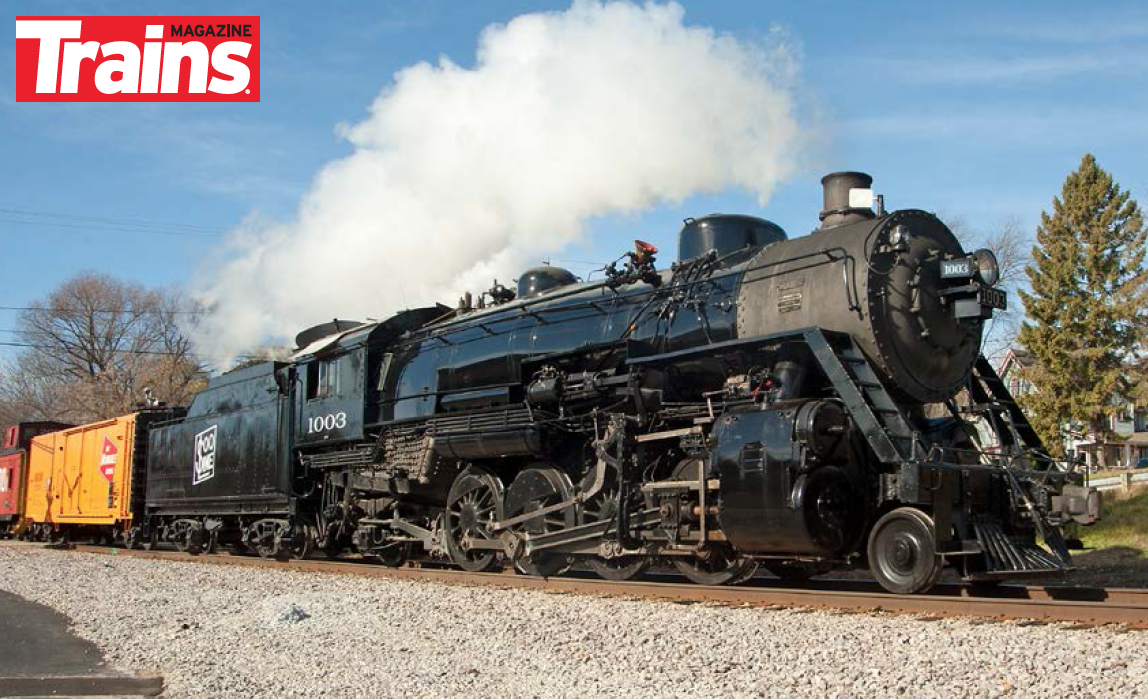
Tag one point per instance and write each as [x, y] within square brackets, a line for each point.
[96, 343]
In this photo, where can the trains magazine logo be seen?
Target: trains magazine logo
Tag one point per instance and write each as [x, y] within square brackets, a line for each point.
[203, 466]
[137, 59]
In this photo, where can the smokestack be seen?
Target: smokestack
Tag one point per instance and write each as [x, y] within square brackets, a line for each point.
[836, 210]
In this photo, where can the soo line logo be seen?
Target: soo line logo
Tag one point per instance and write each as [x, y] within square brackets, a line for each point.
[137, 59]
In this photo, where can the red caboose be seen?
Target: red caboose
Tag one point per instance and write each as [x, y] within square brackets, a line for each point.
[14, 470]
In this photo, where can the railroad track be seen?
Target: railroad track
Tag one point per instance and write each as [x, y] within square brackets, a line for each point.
[1083, 606]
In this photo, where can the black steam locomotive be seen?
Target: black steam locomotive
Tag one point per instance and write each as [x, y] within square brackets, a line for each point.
[761, 403]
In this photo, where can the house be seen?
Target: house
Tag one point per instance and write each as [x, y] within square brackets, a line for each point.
[1127, 440]
[1012, 369]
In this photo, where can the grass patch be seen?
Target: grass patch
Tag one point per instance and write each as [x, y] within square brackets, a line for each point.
[1123, 522]
[1117, 472]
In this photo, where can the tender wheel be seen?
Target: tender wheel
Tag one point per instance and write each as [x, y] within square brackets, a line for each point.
[210, 541]
[903, 552]
[716, 566]
[150, 541]
[262, 538]
[533, 489]
[276, 538]
[188, 537]
[474, 501]
[795, 571]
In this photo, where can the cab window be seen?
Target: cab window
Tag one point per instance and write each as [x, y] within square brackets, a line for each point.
[384, 371]
[323, 378]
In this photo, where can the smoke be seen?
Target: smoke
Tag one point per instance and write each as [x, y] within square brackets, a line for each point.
[459, 175]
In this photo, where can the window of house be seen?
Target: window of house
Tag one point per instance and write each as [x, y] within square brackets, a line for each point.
[323, 378]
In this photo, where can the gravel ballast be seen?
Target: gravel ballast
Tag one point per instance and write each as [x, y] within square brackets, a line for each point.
[222, 631]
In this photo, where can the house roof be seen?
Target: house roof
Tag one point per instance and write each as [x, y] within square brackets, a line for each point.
[1022, 357]
[1016, 357]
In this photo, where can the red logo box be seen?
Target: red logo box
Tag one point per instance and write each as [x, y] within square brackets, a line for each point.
[137, 59]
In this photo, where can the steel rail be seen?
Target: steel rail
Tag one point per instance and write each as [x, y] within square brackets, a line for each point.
[1080, 605]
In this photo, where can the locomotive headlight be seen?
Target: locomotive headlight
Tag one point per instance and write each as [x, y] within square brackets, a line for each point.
[987, 266]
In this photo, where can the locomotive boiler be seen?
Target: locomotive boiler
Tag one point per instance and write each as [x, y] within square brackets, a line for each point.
[765, 401]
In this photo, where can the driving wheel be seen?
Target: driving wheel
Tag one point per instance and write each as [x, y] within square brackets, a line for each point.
[474, 502]
[604, 507]
[533, 489]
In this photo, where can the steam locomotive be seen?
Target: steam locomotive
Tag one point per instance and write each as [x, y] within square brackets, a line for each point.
[761, 403]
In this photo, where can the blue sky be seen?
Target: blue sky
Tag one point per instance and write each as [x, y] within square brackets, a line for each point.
[970, 109]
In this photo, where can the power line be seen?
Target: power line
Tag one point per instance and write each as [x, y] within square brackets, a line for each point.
[102, 229]
[29, 345]
[99, 310]
[114, 221]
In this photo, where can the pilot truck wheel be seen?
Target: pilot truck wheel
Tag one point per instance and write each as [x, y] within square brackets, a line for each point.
[903, 552]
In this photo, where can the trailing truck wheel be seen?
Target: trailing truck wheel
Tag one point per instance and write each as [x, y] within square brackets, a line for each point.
[295, 543]
[475, 499]
[903, 552]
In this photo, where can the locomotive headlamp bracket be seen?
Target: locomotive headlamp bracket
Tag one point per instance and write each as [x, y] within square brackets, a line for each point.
[977, 298]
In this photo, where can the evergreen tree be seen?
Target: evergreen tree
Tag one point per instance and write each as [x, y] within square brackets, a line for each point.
[1087, 308]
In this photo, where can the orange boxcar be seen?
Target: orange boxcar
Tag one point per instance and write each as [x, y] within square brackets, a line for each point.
[80, 479]
[14, 471]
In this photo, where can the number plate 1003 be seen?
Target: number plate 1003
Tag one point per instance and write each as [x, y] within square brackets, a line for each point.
[326, 423]
[994, 298]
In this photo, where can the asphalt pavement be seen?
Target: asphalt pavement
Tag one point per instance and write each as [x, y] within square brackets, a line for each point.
[40, 656]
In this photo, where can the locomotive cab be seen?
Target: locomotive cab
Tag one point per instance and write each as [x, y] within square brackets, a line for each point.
[330, 387]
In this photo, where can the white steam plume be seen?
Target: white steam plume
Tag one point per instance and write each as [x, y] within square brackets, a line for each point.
[462, 175]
